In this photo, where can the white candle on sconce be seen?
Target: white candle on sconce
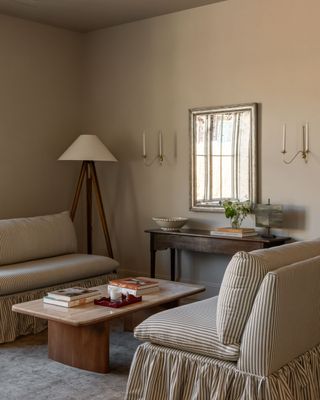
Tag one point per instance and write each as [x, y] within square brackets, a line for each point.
[284, 138]
[303, 138]
[160, 144]
[307, 136]
[144, 152]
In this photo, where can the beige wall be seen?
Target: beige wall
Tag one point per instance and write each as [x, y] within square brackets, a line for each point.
[40, 87]
[146, 75]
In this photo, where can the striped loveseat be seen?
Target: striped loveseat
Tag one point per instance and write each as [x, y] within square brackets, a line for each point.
[39, 254]
[258, 340]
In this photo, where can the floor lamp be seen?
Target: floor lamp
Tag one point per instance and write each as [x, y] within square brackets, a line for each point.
[88, 149]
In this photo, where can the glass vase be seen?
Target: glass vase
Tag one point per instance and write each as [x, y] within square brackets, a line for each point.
[235, 223]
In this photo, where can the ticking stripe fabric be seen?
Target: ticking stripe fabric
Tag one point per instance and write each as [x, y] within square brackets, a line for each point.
[13, 324]
[191, 328]
[51, 271]
[285, 318]
[242, 279]
[279, 256]
[24, 239]
[160, 373]
[261, 330]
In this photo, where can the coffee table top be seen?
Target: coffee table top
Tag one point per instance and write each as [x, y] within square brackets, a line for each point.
[90, 313]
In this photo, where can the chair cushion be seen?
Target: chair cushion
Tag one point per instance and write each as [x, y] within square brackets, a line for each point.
[51, 271]
[190, 328]
[24, 239]
[242, 279]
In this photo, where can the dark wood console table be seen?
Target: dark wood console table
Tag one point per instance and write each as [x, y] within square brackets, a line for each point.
[202, 241]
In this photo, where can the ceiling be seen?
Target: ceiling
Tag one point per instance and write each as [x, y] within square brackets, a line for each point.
[87, 15]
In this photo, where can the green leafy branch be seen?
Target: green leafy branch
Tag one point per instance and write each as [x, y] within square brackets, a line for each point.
[236, 211]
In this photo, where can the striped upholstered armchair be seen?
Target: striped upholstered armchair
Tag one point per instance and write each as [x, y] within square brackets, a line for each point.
[258, 340]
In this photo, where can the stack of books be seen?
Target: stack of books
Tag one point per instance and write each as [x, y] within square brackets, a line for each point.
[234, 232]
[135, 286]
[71, 297]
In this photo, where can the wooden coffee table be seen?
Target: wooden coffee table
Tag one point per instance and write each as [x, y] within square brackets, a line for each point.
[79, 336]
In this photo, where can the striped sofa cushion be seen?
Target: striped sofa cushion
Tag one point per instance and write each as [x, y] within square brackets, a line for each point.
[51, 271]
[190, 328]
[242, 280]
[24, 239]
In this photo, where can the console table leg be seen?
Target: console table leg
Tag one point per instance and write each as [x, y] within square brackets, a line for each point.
[152, 263]
[173, 264]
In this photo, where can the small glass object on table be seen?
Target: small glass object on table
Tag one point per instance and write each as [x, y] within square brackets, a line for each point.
[115, 294]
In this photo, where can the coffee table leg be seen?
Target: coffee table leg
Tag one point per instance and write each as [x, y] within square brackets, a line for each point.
[85, 347]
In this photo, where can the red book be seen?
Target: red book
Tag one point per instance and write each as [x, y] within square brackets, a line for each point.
[135, 283]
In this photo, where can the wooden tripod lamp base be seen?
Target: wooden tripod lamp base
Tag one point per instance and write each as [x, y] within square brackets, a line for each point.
[85, 148]
[88, 171]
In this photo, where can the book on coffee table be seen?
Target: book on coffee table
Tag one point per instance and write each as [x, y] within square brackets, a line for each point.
[71, 303]
[136, 292]
[73, 293]
[138, 283]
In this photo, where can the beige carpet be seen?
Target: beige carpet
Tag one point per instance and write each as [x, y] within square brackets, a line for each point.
[26, 373]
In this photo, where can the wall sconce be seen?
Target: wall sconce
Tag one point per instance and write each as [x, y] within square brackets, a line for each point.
[160, 157]
[305, 144]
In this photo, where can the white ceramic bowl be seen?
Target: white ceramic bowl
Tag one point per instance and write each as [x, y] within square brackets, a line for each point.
[170, 223]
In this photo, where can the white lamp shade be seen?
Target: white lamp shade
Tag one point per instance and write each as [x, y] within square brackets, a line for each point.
[87, 148]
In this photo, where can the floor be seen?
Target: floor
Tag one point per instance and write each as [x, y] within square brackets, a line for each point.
[27, 374]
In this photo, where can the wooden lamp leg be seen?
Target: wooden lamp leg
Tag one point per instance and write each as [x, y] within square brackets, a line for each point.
[78, 191]
[89, 208]
[101, 209]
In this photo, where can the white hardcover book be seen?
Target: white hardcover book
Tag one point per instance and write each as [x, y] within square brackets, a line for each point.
[72, 303]
[73, 293]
